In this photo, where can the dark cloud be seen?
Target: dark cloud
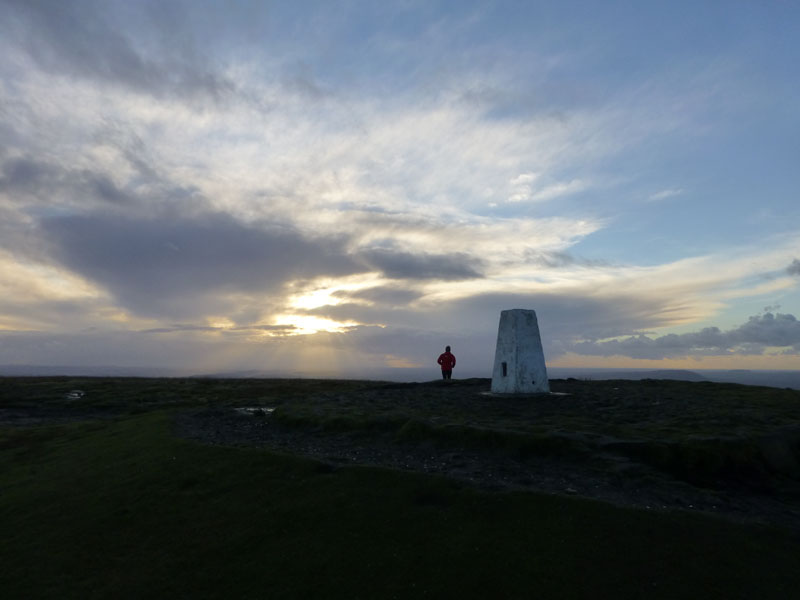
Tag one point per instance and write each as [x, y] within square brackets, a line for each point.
[404, 265]
[794, 268]
[19, 237]
[25, 178]
[106, 189]
[751, 338]
[768, 330]
[79, 38]
[565, 316]
[177, 266]
[26, 175]
[383, 295]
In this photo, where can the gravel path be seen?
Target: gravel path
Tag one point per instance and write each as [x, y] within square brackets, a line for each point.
[608, 478]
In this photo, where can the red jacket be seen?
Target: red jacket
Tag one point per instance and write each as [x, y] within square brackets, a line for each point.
[447, 360]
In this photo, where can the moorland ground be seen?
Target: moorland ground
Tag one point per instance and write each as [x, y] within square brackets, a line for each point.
[311, 488]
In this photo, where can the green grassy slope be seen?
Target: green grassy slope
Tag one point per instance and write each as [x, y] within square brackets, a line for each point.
[123, 509]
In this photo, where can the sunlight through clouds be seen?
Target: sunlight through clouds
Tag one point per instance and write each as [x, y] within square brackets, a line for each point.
[306, 325]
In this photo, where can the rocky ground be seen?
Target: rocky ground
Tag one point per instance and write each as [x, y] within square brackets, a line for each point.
[620, 442]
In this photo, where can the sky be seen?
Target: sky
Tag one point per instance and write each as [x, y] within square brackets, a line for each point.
[344, 188]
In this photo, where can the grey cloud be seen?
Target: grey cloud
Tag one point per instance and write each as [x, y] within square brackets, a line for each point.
[568, 324]
[99, 348]
[19, 238]
[374, 314]
[404, 265]
[130, 146]
[563, 319]
[27, 175]
[794, 268]
[768, 329]
[187, 350]
[21, 173]
[106, 189]
[24, 177]
[383, 295]
[177, 266]
[181, 328]
[79, 38]
[42, 313]
[750, 338]
[299, 79]
[566, 316]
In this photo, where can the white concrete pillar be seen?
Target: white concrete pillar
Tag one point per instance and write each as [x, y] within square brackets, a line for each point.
[518, 359]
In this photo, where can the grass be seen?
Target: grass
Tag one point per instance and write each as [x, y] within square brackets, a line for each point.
[133, 393]
[123, 509]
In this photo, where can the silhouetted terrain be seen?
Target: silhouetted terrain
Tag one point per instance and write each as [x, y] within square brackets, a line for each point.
[236, 488]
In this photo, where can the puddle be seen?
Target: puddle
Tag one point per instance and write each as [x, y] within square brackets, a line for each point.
[75, 395]
[253, 410]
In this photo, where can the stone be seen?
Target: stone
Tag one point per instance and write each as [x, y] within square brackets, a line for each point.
[519, 366]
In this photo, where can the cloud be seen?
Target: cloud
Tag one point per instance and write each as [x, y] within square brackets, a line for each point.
[422, 328]
[387, 296]
[82, 39]
[563, 317]
[175, 266]
[664, 194]
[126, 182]
[523, 188]
[555, 260]
[405, 265]
[181, 328]
[751, 338]
[794, 268]
[558, 189]
[23, 174]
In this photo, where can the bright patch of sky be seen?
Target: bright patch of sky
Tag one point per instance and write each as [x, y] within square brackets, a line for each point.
[271, 185]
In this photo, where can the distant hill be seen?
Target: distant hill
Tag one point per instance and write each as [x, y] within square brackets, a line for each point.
[100, 371]
[781, 379]
[634, 374]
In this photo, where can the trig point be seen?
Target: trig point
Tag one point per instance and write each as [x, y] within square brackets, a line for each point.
[519, 360]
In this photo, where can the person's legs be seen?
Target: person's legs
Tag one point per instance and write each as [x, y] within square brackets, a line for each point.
[444, 374]
[447, 374]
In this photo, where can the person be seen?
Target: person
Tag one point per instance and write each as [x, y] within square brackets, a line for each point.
[447, 361]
